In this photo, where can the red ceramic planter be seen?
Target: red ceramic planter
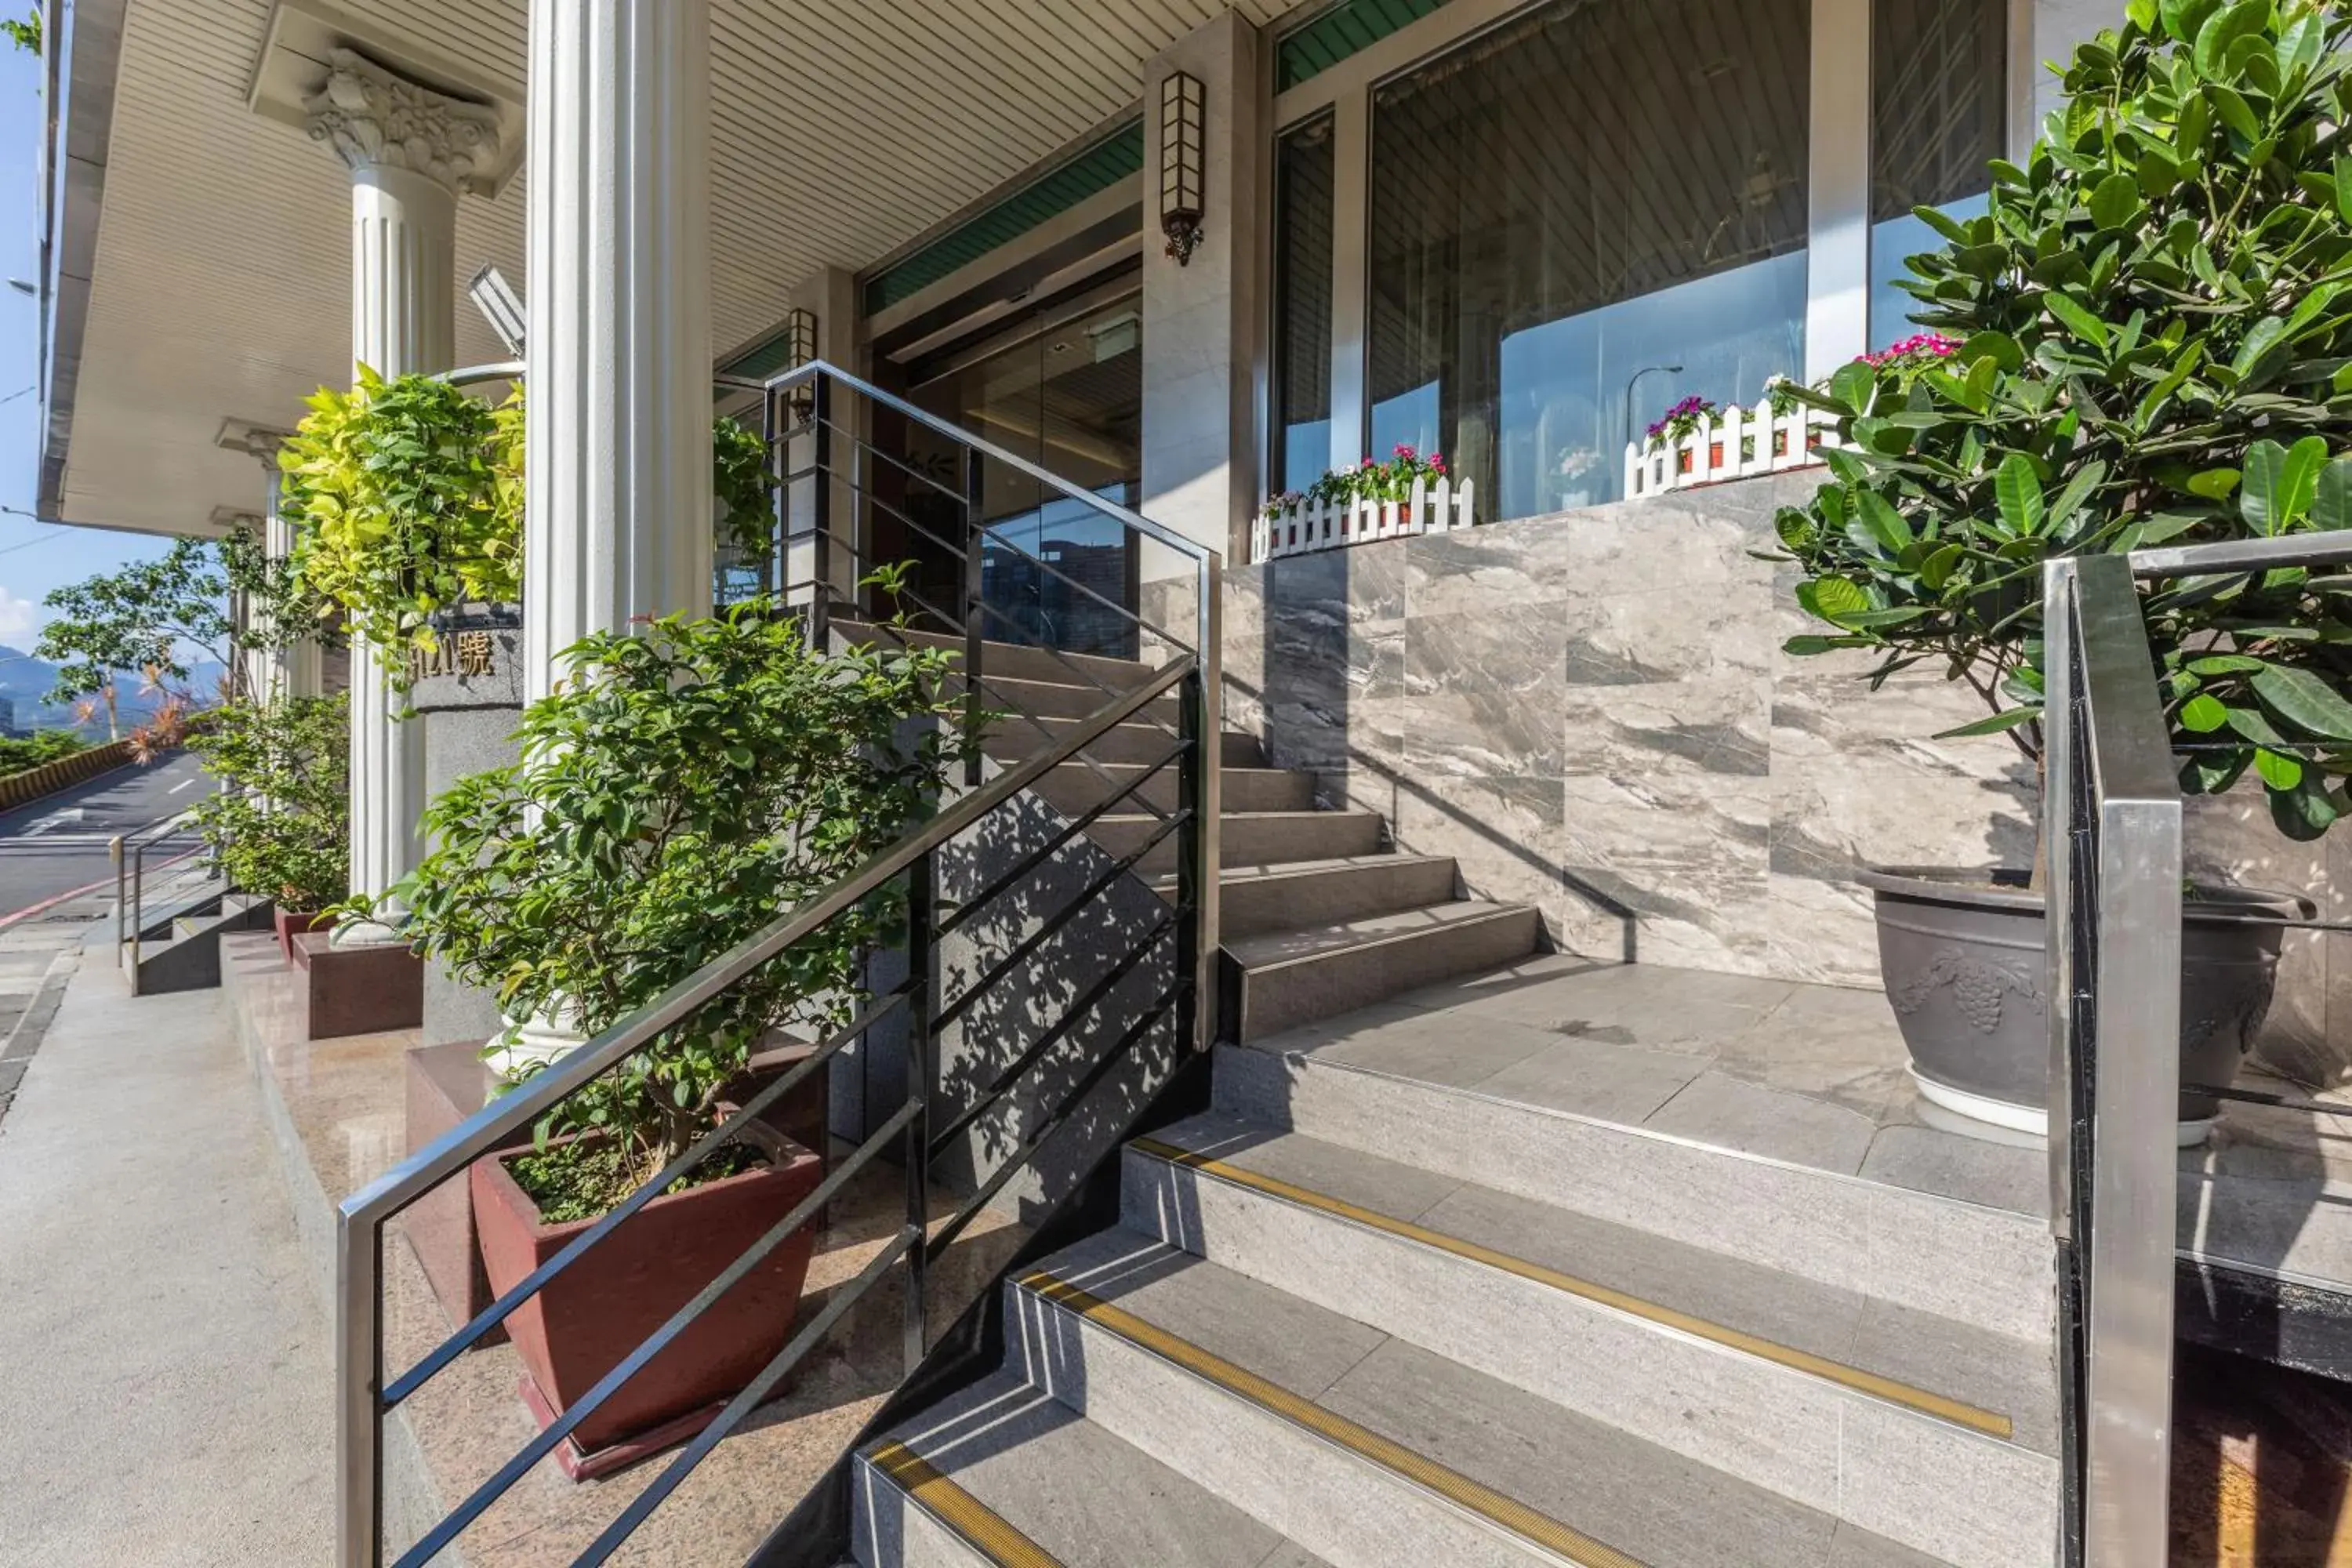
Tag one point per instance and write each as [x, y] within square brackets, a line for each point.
[587, 1320]
[290, 925]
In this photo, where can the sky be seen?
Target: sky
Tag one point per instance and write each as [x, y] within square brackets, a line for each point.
[34, 557]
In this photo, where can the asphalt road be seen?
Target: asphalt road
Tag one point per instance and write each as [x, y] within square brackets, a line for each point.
[58, 845]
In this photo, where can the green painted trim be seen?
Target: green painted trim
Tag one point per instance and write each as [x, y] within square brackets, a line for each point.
[1091, 173]
[764, 358]
[1339, 32]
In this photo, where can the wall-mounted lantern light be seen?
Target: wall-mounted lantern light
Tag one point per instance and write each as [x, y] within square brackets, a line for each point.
[800, 349]
[1183, 156]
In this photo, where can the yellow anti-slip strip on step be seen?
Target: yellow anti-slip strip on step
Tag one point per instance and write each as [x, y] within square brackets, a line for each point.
[972, 1519]
[1991, 1423]
[1484, 1501]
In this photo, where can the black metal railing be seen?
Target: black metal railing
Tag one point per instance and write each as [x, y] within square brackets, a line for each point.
[1015, 870]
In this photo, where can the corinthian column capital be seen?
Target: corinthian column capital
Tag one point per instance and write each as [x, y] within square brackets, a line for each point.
[377, 119]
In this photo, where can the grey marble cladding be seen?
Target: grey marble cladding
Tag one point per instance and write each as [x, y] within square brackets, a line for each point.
[1593, 712]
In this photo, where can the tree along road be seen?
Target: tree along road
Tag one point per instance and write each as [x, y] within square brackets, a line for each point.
[60, 844]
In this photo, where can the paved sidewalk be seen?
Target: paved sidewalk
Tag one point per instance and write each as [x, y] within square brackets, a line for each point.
[164, 1371]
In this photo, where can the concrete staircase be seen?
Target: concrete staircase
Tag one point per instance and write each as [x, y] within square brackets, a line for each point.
[1354, 1319]
[1368, 1318]
[1320, 915]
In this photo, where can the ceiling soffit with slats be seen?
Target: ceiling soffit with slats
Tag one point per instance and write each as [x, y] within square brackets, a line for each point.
[842, 130]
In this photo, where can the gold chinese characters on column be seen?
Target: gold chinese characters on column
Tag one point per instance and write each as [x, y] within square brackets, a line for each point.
[466, 654]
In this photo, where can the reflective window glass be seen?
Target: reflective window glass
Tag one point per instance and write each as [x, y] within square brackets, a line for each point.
[1577, 219]
[1938, 83]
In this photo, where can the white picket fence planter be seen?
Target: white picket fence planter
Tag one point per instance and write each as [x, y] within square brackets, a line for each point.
[1334, 525]
[1737, 444]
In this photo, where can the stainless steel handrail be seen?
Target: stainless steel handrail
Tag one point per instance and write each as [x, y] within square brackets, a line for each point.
[2112, 814]
[478, 375]
[1204, 777]
[2243, 556]
[129, 853]
[2112, 817]
[800, 375]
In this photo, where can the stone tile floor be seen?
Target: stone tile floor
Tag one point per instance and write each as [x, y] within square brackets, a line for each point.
[1812, 1075]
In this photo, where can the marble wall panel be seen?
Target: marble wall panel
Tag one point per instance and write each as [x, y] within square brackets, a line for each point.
[1592, 713]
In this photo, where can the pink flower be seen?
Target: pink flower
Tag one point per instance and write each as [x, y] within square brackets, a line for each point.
[1405, 453]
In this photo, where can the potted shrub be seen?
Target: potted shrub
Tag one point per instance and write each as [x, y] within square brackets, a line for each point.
[679, 791]
[281, 828]
[2153, 345]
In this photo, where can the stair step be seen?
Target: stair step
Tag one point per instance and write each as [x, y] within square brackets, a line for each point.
[1250, 838]
[1988, 1267]
[1929, 1432]
[1074, 787]
[1372, 1452]
[1287, 979]
[1259, 901]
[1017, 660]
[1070, 698]
[1017, 739]
[999, 1466]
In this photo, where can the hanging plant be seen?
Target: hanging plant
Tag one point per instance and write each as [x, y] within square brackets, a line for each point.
[406, 497]
[407, 500]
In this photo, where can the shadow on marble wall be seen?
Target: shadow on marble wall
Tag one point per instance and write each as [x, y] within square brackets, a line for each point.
[1451, 748]
[1592, 713]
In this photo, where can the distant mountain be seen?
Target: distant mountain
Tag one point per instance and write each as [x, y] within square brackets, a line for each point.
[26, 682]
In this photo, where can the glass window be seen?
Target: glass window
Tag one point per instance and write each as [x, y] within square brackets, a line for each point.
[1302, 304]
[1567, 206]
[1064, 390]
[1938, 76]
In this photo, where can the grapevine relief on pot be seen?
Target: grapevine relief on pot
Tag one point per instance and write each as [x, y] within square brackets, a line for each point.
[1977, 987]
[2234, 1012]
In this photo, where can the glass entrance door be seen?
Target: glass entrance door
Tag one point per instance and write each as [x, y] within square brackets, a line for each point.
[1062, 389]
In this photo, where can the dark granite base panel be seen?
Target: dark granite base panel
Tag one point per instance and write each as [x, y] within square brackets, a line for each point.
[360, 990]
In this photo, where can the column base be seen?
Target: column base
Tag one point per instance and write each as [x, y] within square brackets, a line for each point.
[364, 933]
[366, 990]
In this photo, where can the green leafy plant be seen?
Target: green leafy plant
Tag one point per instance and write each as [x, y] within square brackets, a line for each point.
[23, 754]
[2154, 345]
[407, 496]
[24, 32]
[679, 791]
[144, 620]
[281, 826]
[744, 489]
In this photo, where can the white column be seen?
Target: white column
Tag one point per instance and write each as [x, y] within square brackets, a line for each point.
[617, 470]
[409, 151]
[1837, 305]
[297, 669]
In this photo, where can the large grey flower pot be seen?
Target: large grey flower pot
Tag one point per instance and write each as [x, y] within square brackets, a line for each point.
[1961, 956]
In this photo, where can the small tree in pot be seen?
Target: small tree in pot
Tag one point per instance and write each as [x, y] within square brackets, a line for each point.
[2155, 329]
[281, 825]
[679, 791]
